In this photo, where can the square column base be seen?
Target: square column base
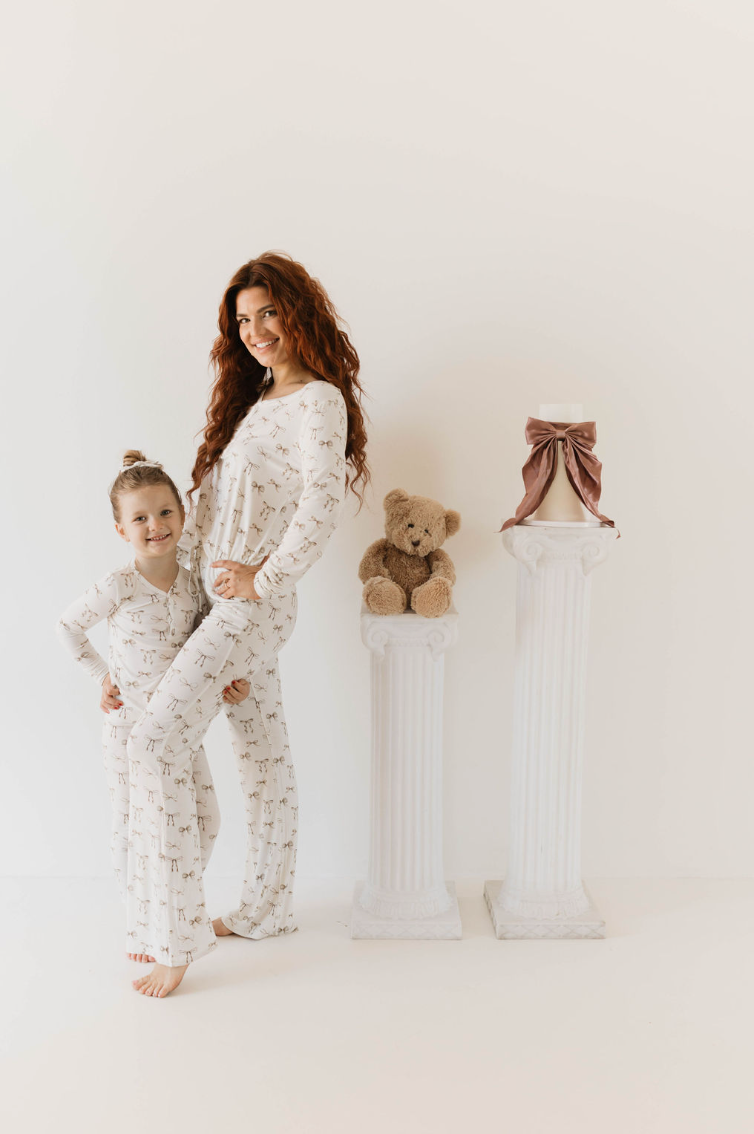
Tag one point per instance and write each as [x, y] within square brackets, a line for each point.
[440, 927]
[514, 927]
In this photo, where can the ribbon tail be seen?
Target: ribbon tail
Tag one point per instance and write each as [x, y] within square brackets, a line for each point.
[584, 470]
[538, 473]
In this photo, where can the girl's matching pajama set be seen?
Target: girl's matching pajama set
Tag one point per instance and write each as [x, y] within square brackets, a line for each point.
[147, 628]
[277, 491]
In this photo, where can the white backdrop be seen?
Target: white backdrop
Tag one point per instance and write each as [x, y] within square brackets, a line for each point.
[509, 204]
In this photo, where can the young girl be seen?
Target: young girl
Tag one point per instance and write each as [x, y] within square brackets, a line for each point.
[151, 612]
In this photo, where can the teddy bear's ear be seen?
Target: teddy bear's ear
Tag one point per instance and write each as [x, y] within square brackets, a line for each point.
[452, 522]
[394, 498]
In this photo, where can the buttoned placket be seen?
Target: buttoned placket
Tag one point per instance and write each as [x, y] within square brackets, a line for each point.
[170, 599]
[169, 609]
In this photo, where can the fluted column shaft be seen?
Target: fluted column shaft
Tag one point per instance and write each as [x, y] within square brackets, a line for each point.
[552, 619]
[405, 877]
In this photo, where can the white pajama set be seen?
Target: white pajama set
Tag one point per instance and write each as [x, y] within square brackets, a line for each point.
[277, 490]
[147, 627]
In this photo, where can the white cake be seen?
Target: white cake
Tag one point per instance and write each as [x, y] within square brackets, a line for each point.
[561, 504]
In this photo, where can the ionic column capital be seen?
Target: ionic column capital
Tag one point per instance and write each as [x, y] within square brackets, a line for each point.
[410, 629]
[534, 544]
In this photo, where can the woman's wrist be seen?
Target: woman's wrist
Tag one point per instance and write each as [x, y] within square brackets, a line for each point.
[259, 588]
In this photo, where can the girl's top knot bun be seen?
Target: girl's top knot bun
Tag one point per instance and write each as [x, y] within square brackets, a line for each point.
[138, 472]
[131, 456]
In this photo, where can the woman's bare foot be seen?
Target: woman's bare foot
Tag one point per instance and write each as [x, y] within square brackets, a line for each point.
[162, 980]
[143, 957]
[221, 929]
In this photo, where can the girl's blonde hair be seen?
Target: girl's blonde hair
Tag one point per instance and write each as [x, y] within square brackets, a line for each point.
[143, 476]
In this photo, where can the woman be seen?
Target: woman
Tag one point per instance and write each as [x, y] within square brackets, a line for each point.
[284, 441]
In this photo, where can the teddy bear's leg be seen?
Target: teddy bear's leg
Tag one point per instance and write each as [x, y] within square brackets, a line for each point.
[432, 598]
[383, 596]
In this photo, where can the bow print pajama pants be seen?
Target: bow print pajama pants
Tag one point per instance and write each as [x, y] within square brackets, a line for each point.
[166, 912]
[115, 733]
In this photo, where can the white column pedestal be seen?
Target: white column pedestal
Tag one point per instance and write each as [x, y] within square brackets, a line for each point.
[405, 894]
[543, 895]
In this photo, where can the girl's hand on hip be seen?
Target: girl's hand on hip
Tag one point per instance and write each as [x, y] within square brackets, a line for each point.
[237, 580]
[237, 691]
[110, 699]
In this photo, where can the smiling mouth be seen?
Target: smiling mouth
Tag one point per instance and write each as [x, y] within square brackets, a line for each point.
[264, 345]
[158, 538]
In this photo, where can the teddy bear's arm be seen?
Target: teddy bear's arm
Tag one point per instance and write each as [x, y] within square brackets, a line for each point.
[373, 561]
[441, 565]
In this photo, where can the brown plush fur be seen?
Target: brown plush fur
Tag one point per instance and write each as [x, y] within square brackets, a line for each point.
[409, 567]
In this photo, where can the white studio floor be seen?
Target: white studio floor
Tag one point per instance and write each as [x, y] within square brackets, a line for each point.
[647, 1031]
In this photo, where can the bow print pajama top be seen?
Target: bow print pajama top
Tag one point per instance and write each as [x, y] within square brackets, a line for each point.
[147, 627]
[277, 489]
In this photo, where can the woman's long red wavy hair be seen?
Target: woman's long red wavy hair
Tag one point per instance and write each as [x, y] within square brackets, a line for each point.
[316, 342]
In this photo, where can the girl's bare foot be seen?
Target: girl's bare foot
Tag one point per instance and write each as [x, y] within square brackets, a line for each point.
[143, 957]
[162, 980]
[221, 929]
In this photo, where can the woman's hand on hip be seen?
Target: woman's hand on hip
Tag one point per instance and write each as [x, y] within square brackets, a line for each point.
[237, 580]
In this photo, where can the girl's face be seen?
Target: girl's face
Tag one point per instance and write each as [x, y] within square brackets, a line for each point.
[152, 520]
[259, 327]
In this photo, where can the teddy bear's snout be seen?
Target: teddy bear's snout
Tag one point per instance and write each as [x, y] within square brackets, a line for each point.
[415, 542]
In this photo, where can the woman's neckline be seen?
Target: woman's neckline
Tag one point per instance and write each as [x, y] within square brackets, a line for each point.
[282, 397]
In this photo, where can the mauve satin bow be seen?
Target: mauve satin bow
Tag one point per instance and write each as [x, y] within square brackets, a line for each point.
[582, 467]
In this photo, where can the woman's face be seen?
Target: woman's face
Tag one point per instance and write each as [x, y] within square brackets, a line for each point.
[259, 326]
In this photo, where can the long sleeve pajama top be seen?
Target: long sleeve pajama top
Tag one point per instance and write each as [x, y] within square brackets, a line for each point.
[147, 627]
[277, 490]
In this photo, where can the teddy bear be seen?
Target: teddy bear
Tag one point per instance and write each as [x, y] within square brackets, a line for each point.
[409, 567]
